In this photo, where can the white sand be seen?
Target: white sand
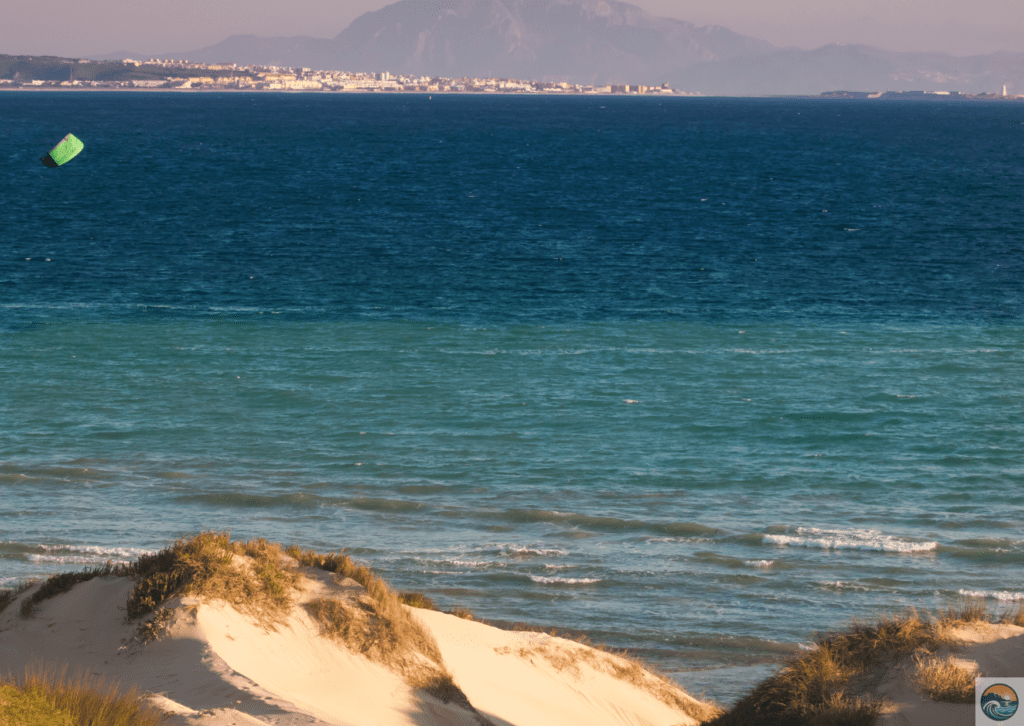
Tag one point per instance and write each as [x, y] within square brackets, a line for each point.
[216, 667]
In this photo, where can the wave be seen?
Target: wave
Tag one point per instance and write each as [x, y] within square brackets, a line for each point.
[1001, 595]
[608, 524]
[564, 580]
[44, 555]
[840, 585]
[853, 539]
[524, 551]
[249, 499]
[100, 550]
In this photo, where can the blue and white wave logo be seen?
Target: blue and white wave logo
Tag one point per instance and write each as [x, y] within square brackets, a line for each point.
[999, 702]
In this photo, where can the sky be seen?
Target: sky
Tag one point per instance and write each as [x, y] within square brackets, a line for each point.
[71, 28]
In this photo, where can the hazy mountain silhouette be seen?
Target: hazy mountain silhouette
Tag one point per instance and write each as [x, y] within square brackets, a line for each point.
[584, 41]
[600, 42]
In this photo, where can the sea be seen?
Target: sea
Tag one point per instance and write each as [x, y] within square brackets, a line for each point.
[700, 378]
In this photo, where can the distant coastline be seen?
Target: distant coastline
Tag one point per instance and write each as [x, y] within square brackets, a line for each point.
[828, 96]
[32, 73]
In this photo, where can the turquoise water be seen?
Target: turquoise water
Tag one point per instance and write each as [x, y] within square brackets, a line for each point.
[535, 374]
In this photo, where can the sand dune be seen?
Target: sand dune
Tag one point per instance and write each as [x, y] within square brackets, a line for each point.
[986, 649]
[214, 666]
[206, 661]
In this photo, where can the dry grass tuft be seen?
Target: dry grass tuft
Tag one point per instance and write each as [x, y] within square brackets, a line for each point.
[1012, 617]
[461, 612]
[811, 690]
[417, 600]
[154, 628]
[47, 697]
[205, 565]
[943, 679]
[8, 595]
[381, 630]
[63, 582]
[380, 627]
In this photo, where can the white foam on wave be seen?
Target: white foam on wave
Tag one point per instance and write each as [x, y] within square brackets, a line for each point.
[564, 580]
[1001, 595]
[763, 564]
[854, 539]
[472, 563]
[74, 560]
[840, 585]
[100, 551]
[515, 549]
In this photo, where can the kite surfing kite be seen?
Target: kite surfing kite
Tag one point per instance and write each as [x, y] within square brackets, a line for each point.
[63, 152]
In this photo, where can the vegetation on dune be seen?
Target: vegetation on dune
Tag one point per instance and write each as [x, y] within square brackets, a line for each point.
[942, 679]
[379, 627]
[63, 582]
[813, 688]
[209, 565]
[1014, 616]
[48, 697]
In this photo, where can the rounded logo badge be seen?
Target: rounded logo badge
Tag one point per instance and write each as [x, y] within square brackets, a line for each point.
[999, 702]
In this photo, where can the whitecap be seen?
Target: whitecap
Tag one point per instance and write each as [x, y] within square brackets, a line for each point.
[854, 539]
[1001, 595]
[101, 551]
[564, 580]
[514, 549]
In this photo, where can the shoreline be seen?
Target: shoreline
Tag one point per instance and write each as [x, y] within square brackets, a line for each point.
[531, 94]
[268, 632]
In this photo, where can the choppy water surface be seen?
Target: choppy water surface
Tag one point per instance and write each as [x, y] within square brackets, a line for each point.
[697, 377]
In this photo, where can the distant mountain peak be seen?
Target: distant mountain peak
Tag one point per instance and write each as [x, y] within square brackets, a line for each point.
[600, 42]
[586, 41]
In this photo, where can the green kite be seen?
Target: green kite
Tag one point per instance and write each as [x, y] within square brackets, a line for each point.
[63, 152]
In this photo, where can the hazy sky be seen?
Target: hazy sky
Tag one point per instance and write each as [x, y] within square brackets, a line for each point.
[73, 28]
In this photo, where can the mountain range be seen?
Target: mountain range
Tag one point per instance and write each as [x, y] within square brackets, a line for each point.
[598, 42]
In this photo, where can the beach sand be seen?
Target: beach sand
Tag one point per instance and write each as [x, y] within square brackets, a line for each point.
[214, 666]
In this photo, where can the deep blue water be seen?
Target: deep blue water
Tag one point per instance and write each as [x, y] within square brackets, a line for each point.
[697, 376]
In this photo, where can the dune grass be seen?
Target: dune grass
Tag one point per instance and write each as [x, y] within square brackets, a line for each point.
[1015, 616]
[942, 679]
[48, 697]
[63, 582]
[9, 595]
[417, 600]
[210, 565]
[812, 689]
[380, 628]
